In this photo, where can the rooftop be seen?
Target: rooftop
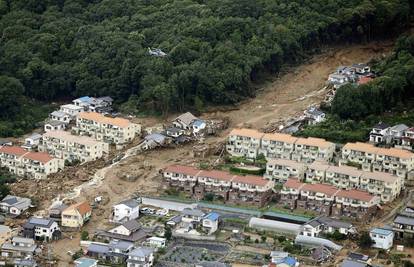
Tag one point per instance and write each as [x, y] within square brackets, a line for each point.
[212, 216]
[188, 170]
[66, 136]
[132, 203]
[13, 150]
[286, 162]
[380, 231]
[380, 176]
[246, 133]
[251, 179]
[317, 142]
[192, 212]
[356, 195]
[328, 190]
[293, 183]
[94, 116]
[39, 156]
[404, 220]
[280, 137]
[215, 174]
[81, 207]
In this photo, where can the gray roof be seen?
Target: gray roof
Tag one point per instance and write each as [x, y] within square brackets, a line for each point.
[193, 212]
[25, 262]
[351, 263]
[157, 137]
[120, 244]
[141, 252]
[18, 202]
[399, 127]
[132, 225]
[211, 264]
[334, 223]
[41, 222]
[98, 248]
[132, 203]
[55, 123]
[59, 114]
[106, 98]
[5, 142]
[176, 219]
[174, 129]
[4, 228]
[381, 125]
[186, 118]
[404, 220]
[316, 242]
[35, 136]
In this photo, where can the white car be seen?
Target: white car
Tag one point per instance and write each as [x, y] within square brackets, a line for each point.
[162, 212]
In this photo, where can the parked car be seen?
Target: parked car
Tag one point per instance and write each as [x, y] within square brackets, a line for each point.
[162, 212]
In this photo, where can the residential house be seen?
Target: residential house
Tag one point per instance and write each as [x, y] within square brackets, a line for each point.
[396, 133]
[174, 132]
[92, 104]
[403, 226]
[355, 203]
[5, 142]
[379, 133]
[184, 121]
[116, 131]
[382, 238]
[141, 257]
[154, 140]
[361, 68]
[192, 216]
[14, 205]
[338, 80]
[244, 143]
[71, 110]
[279, 170]
[70, 147]
[24, 263]
[156, 242]
[98, 251]
[18, 247]
[60, 116]
[5, 234]
[56, 209]
[76, 215]
[210, 222]
[41, 229]
[37, 165]
[353, 263]
[325, 224]
[314, 115]
[51, 125]
[85, 262]
[392, 160]
[125, 211]
[198, 126]
[407, 141]
[32, 141]
[128, 231]
[118, 250]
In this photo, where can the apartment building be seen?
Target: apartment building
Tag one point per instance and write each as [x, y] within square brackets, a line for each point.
[244, 143]
[384, 185]
[70, 147]
[278, 146]
[311, 149]
[392, 160]
[254, 190]
[250, 143]
[109, 130]
[327, 199]
[37, 165]
[279, 170]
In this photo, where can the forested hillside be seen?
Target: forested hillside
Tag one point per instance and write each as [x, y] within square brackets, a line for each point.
[54, 49]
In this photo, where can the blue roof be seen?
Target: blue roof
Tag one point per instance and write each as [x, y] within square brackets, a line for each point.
[212, 216]
[198, 122]
[287, 260]
[85, 262]
[380, 231]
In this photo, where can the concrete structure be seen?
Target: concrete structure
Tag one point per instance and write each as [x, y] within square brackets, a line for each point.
[76, 215]
[279, 170]
[125, 211]
[382, 238]
[60, 116]
[230, 188]
[71, 110]
[392, 160]
[37, 165]
[51, 125]
[66, 146]
[117, 131]
[14, 205]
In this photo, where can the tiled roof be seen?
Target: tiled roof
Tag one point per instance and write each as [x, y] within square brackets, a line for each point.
[293, 183]
[39, 156]
[347, 170]
[356, 195]
[13, 150]
[82, 207]
[68, 137]
[362, 147]
[188, 170]
[218, 175]
[395, 152]
[328, 190]
[251, 179]
[311, 141]
[94, 116]
[247, 133]
[319, 166]
[380, 176]
[279, 137]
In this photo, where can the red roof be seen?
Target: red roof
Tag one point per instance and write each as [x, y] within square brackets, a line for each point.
[328, 190]
[39, 156]
[355, 194]
[13, 150]
[364, 80]
[218, 175]
[250, 179]
[293, 183]
[188, 170]
[82, 207]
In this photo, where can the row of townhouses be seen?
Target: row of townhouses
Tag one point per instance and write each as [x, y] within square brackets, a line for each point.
[384, 185]
[250, 143]
[64, 145]
[396, 161]
[231, 188]
[29, 164]
[328, 200]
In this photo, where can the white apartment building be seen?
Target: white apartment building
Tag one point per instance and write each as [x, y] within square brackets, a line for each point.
[244, 143]
[392, 160]
[29, 164]
[311, 149]
[316, 172]
[381, 184]
[280, 170]
[278, 146]
[71, 110]
[70, 147]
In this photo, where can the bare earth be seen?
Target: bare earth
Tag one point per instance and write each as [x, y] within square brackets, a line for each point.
[284, 97]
